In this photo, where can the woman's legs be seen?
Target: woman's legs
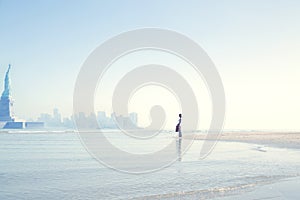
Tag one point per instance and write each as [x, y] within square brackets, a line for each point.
[179, 132]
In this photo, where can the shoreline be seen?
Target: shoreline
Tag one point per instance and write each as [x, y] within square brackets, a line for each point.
[290, 140]
[279, 139]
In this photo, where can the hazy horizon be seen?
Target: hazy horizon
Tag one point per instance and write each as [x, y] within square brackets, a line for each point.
[254, 45]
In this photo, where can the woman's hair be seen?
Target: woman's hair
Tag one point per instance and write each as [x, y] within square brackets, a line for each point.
[180, 115]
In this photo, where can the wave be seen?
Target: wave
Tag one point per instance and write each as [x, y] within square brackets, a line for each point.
[218, 191]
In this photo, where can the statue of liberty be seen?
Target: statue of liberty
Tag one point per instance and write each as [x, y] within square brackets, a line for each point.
[6, 102]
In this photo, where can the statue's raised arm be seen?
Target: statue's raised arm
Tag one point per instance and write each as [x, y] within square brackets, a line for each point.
[6, 92]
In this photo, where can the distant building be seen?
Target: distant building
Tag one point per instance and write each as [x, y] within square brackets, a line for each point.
[45, 117]
[134, 118]
[68, 123]
[101, 115]
[51, 121]
[102, 119]
[56, 117]
[126, 122]
[34, 124]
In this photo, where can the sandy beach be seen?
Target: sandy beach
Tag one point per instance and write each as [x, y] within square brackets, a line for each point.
[275, 139]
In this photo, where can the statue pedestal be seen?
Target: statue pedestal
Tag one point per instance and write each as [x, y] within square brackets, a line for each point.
[6, 105]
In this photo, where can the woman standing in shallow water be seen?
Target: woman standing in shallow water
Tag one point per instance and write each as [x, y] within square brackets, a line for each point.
[178, 126]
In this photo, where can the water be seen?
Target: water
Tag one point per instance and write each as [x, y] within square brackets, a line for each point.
[56, 166]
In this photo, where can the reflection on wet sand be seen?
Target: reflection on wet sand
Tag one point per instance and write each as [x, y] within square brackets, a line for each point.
[178, 148]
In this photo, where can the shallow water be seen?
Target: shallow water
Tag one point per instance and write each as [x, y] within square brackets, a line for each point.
[56, 166]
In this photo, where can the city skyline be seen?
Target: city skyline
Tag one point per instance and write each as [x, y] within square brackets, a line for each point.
[112, 121]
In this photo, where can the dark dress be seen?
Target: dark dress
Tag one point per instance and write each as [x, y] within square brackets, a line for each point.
[178, 128]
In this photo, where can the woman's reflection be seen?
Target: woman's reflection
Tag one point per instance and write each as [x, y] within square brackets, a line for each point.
[178, 148]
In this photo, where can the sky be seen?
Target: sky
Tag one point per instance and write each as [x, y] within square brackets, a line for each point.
[254, 44]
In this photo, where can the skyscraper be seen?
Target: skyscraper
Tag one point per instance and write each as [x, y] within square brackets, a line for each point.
[134, 118]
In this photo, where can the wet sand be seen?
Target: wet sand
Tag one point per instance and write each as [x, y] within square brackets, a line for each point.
[275, 139]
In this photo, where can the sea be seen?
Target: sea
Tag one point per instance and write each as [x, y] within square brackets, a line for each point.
[55, 164]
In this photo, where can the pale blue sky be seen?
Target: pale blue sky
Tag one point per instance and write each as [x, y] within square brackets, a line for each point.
[254, 44]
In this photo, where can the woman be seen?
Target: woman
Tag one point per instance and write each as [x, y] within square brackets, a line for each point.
[178, 127]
